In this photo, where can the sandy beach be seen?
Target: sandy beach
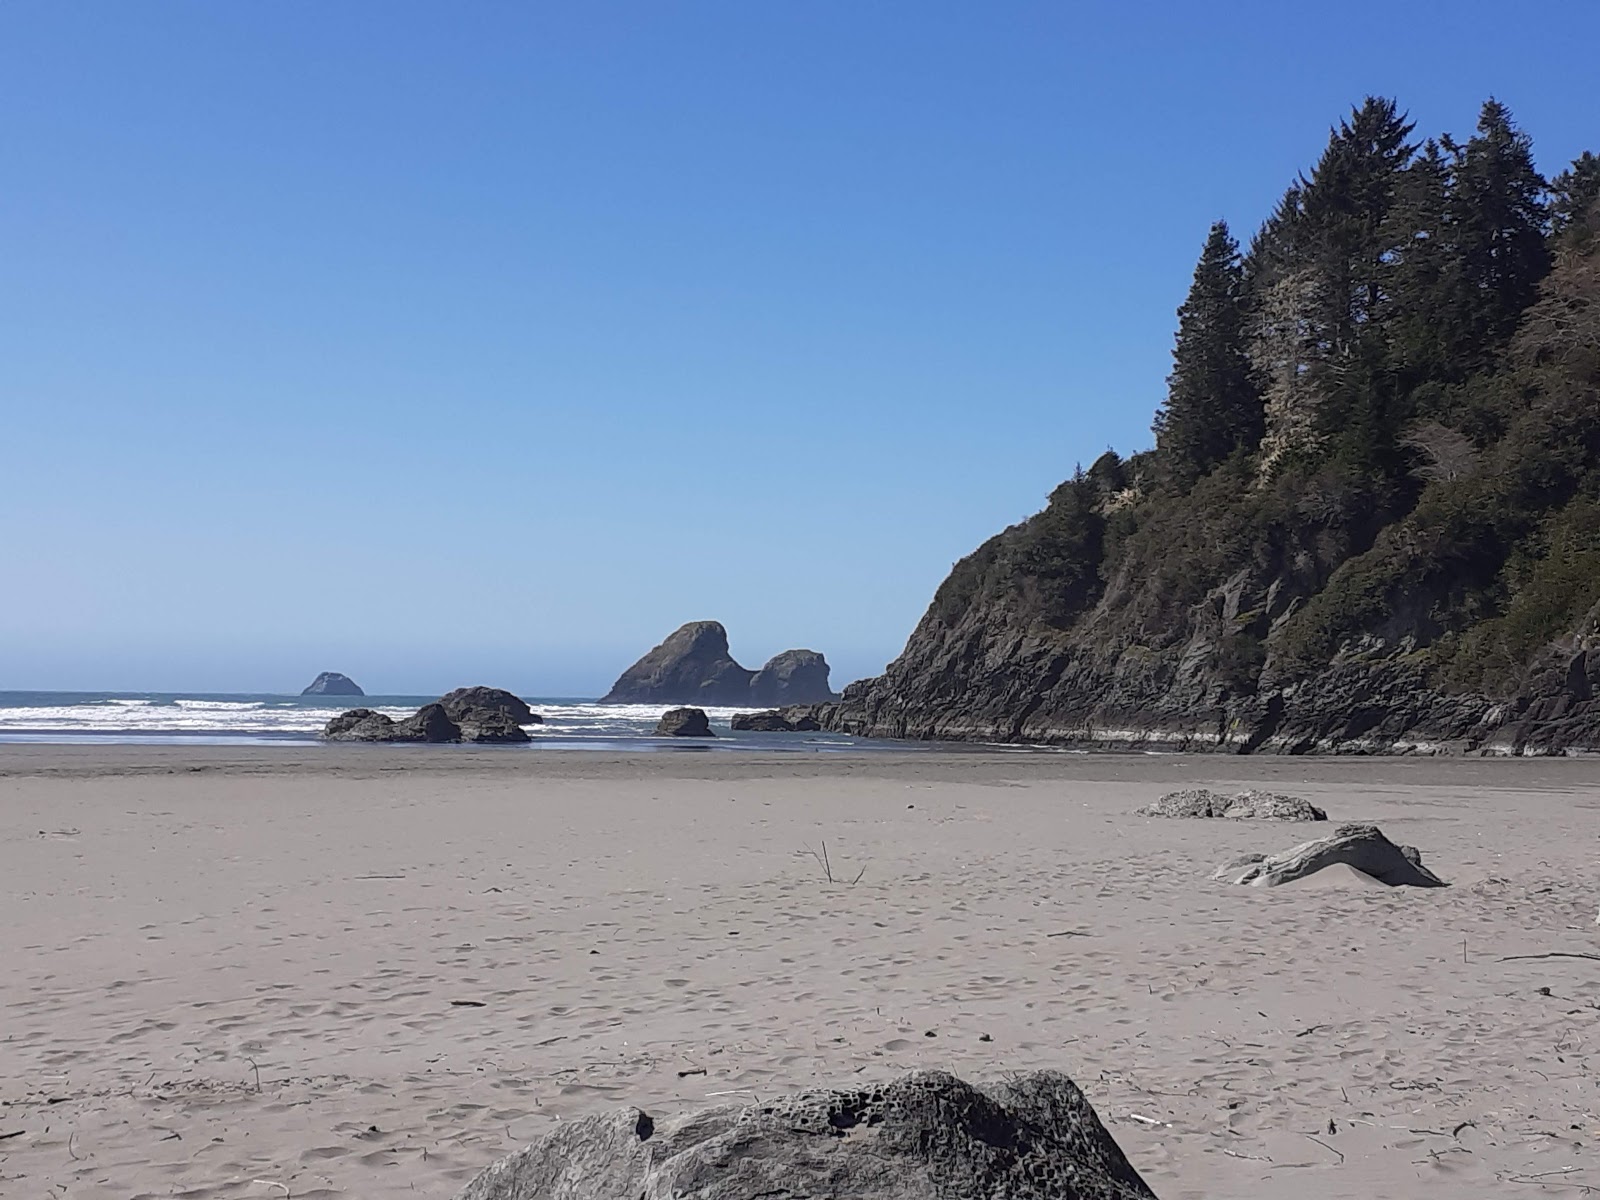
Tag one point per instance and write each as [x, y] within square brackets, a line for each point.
[367, 972]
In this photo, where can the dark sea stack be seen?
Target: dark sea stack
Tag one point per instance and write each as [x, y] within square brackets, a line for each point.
[458, 703]
[684, 722]
[925, 1136]
[1337, 546]
[331, 683]
[793, 677]
[774, 722]
[692, 666]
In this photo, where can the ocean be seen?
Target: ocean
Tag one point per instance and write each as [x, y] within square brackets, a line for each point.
[195, 718]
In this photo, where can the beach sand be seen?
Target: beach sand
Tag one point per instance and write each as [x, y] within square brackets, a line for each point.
[369, 972]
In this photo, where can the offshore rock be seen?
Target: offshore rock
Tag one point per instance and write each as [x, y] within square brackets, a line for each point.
[925, 1136]
[793, 677]
[331, 683]
[463, 700]
[692, 666]
[684, 722]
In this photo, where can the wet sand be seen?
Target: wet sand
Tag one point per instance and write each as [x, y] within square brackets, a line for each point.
[368, 972]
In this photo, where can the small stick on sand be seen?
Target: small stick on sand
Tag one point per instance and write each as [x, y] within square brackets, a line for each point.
[1551, 954]
[257, 1070]
[1327, 1147]
[691, 1071]
[285, 1186]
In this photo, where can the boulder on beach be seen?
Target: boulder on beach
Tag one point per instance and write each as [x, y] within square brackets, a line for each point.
[1360, 847]
[430, 723]
[331, 683]
[774, 721]
[1245, 806]
[684, 722]
[458, 703]
[793, 677]
[925, 1136]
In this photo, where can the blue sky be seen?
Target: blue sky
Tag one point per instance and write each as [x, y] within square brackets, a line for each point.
[446, 343]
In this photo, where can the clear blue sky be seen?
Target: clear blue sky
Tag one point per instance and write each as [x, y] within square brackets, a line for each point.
[456, 342]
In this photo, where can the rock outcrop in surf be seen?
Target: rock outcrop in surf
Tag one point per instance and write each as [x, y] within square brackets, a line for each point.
[925, 1136]
[472, 714]
[684, 722]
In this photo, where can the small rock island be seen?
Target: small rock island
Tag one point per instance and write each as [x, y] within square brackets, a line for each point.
[331, 683]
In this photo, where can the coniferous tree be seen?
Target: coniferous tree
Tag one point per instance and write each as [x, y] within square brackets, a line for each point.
[1213, 406]
[1574, 192]
[1501, 223]
[1422, 285]
[1344, 204]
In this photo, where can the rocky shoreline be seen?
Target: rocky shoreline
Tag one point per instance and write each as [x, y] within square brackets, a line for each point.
[1143, 701]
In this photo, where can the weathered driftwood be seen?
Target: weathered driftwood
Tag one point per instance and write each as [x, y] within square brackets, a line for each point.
[1362, 847]
[926, 1136]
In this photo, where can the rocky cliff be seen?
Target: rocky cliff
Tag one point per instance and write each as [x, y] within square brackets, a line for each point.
[693, 666]
[1402, 556]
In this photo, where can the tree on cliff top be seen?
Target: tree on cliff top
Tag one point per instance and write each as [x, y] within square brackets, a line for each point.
[1213, 406]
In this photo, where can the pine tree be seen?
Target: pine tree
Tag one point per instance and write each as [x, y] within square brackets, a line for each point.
[1344, 206]
[1422, 285]
[1501, 224]
[1213, 406]
[1573, 193]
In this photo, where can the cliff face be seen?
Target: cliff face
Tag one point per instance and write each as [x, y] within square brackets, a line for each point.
[1441, 593]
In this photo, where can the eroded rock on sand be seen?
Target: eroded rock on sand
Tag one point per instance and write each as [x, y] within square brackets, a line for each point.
[684, 722]
[925, 1136]
[429, 723]
[1245, 806]
[459, 703]
[1361, 847]
[331, 683]
[774, 722]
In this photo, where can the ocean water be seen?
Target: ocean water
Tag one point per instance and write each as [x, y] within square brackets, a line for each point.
[191, 718]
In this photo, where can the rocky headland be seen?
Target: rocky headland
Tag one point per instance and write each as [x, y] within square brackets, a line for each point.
[694, 666]
[1371, 520]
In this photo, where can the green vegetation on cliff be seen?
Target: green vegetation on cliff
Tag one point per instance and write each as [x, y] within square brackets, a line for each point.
[1380, 442]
